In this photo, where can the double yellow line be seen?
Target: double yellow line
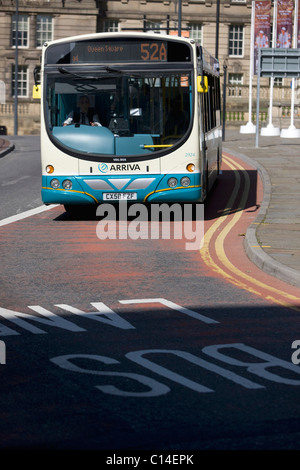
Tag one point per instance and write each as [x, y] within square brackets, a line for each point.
[232, 273]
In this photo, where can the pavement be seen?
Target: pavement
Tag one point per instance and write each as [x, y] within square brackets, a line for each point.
[272, 241]
[5, 147]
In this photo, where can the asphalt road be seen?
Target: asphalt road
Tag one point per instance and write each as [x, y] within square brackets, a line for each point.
[130, 345]
[20, 180]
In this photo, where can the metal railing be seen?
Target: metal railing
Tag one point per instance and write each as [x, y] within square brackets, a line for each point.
[241, 92]
[8, 109]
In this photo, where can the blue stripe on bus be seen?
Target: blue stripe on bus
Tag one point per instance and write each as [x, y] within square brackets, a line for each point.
[82, 191]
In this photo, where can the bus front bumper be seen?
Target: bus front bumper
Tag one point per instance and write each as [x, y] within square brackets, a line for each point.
[84, 190]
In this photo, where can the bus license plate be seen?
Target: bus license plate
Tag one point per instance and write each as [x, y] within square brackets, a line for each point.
[119, 196]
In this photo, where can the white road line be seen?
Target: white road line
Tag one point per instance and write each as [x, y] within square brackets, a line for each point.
[8, 183]
[24, 215]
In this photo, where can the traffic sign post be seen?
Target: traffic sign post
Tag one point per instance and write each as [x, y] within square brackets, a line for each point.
[277, 63]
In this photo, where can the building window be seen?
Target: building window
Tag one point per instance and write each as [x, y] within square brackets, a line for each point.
[235, 78]
[278, 81]
[2, 92]
[110, 26]
[22, 81]
[234, 82]
[236, 40]
[23, 28]
[153, 26]
[196, 32]
[44, 30]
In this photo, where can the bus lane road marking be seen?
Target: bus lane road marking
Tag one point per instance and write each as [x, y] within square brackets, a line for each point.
[255, 363]
[103, 314]
[259, 368]
[218, 247]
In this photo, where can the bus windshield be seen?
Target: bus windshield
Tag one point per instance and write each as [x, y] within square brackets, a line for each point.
[107, 112]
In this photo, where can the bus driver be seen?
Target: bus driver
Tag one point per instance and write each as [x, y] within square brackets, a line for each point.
[85, 114]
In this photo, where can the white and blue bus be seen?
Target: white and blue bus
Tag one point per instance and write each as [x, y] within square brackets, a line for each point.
[152, 131]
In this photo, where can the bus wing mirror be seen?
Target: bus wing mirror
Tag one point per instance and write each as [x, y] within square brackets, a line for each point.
[36, 92]
[202, 84]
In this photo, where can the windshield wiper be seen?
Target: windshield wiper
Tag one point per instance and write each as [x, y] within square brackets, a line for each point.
[62, 70]
[76, 75]
[112, 70]
[107, 69]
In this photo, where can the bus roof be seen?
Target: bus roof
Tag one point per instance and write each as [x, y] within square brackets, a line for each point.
[128, 34]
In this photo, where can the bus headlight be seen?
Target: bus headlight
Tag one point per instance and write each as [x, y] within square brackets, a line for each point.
[172, 182]
[54, 183]
[185, 181]
[67, 184]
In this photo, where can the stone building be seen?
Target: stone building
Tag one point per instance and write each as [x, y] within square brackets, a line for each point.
[45, 20]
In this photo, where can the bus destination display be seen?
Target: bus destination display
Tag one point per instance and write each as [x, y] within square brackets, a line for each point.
[84, 52]
[119, 52]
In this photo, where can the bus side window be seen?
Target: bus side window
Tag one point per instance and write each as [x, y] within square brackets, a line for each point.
[205, 112]
[210, 104]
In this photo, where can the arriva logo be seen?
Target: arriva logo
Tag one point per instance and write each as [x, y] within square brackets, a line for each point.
[103, 167]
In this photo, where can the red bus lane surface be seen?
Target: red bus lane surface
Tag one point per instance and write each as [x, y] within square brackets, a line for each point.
[223, 249]
[125, 344]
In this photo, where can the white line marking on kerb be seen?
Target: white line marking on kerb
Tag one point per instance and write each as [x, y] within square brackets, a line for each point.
[24, 215]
